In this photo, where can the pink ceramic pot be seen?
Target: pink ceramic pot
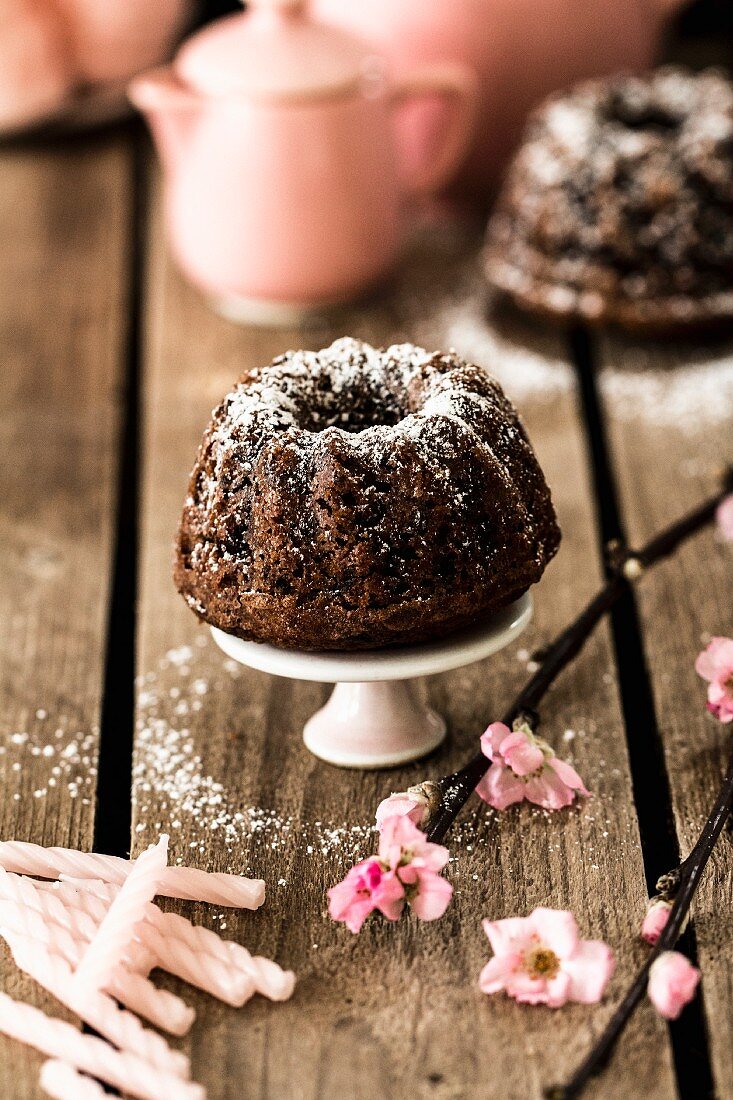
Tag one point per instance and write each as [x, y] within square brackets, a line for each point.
[113, 39]
[36, 65]
[54, 53]
[283, 185]
[521, 50]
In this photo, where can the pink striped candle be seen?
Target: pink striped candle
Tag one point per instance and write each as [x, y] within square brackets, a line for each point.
[160, 1007]
[60, 1040]
[188, 883]
[270, 980]
[62, 1082]
[99, 1011]
[115, 933]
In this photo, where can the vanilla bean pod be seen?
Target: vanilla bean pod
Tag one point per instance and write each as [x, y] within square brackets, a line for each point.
[456, 789]
[683, 881]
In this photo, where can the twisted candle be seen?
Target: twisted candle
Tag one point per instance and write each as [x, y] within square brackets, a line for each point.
[62, 1082]
[161, 1008]
[115, 932]
[209, 973]
[25, 892]
[187, 883]
[54, 974]
[57, 1039]
[158, 1006]
[269, 978]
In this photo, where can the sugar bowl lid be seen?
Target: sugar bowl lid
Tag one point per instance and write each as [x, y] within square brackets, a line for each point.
[272, 51]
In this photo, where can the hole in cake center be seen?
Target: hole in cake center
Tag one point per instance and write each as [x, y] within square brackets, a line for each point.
[353, 410]
[642, 115]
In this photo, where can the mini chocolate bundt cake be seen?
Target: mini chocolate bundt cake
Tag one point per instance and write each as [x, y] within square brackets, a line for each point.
[352, 498]
[619, 204]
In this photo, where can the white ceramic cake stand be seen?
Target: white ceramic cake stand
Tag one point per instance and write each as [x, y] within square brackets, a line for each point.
[374, 717]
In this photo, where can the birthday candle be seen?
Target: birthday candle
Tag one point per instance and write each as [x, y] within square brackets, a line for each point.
[25, 892]
[160, 1007]
[99, 1011]
[115, 932]
[188, 883]
[62, 1082]
[94, 1056]
[269, 978]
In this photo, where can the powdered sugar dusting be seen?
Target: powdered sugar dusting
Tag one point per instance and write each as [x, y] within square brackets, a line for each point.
[525, 374]
[689, 398]
[172, 790]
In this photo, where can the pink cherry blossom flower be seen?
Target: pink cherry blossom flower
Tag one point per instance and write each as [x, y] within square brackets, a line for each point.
[540, 959]
[413, 803]
[715, 664]
[656, 918]
[672, 983]
[405, 870]
[367, 886]
[524, 766]
[724, 518]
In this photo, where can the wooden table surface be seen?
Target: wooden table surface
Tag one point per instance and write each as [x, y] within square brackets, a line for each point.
[120, 719]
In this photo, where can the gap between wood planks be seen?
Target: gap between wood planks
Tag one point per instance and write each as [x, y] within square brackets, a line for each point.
[112, 820]
[660, 850]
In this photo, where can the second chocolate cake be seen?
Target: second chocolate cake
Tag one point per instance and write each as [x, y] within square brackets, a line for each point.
[354, 498]
[619, 204]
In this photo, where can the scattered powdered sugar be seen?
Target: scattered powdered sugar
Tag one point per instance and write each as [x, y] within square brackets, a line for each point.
[173, 791]
[689, 397]
[63, 758]
[523, 373]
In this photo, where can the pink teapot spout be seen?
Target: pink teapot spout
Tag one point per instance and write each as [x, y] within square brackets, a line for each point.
[171, 110]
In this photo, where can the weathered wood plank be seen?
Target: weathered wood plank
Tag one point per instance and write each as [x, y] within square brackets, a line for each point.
[64, 215]
[394, 1011]
[670, 411]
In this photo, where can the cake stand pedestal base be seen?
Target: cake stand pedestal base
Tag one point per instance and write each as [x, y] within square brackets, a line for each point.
[375, 717]
[374, 725]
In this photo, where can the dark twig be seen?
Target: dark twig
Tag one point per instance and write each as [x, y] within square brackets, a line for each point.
[627, 566]
[684, 881]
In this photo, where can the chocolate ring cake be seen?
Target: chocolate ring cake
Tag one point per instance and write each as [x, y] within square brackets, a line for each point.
[619, 204]
[353, 497]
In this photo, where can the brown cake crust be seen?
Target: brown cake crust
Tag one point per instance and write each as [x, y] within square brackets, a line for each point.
[354, 498]
[618, 207]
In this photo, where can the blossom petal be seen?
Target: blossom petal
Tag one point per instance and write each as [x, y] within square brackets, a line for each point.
[567, 774]
[716, 660]
[724, 518]
[494, 975]
[389, 896]
[672, 983]
[522, 756]
[589, 970]
[500, 787]
[655, 920]
[400, 805]
[433, 895]
[532, 991]
[556, 929]
[558, 990]
[511, 934]
[492, 737]
[548, 790]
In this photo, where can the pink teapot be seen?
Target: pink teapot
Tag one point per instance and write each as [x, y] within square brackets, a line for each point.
[521, 50]
[284, 186]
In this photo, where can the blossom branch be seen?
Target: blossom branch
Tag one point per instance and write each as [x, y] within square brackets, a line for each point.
[452, 792]
[682, 882]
